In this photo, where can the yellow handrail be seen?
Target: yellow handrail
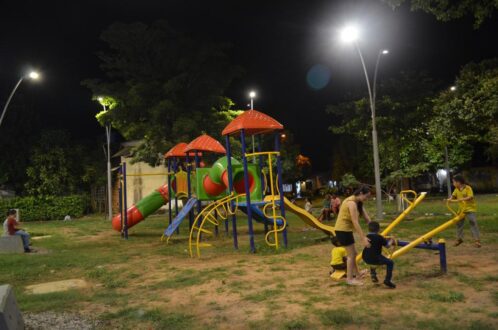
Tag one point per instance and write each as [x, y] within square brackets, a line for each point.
[207, 215]
[262, 153]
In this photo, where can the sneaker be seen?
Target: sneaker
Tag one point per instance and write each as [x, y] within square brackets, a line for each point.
[354, 282]
[374, 278]
[458, 242]
[27, 250]
[390, 284]
[478, 244]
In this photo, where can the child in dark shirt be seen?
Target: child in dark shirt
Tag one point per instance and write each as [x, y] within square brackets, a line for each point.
[373, 254]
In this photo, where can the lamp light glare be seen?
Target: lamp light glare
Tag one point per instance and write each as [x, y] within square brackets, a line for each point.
[252, 94]
[385, 51]
[453, 88]
[349, 34]
[34, 75]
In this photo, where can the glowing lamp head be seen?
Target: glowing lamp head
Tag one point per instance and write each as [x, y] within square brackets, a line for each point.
[349, 34]
[385, 51]
[453, 88]
[34, 75]
[252, 94]
[100, 99]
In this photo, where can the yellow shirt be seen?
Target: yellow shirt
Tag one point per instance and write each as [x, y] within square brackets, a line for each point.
[336, 255]
[344, 222]
[466, 206]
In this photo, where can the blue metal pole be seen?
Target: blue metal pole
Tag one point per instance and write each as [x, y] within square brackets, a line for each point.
[280, 184]
[125, 203]
[261, 175]
[197, 165]
[170, 216]
[230, 189]
[190, 214]
[442, 256]
[120, 194]
[248, 192]
[175, 169]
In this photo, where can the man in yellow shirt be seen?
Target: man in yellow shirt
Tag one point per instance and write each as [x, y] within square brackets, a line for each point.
[464, 195]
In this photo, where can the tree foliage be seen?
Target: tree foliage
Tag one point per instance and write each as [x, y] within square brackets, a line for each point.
[402, 111]
[468, 114]
[164, 87]
[446, 10]
[59, 166]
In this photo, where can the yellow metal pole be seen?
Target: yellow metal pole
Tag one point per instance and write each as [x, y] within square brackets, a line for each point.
[428, 235]
[405, 212]
[274, 211]
[400, 217]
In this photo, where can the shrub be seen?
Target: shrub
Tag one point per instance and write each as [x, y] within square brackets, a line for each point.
[47, 207]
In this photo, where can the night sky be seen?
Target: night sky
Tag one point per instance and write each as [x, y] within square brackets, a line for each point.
[276, 42]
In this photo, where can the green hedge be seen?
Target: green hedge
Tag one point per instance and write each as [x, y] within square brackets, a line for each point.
[46, 208]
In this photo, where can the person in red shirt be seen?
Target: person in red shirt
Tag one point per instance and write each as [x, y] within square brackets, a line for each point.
[13, 229]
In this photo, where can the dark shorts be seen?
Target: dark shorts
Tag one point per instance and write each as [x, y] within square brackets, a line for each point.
[345, 238]
[342, 266]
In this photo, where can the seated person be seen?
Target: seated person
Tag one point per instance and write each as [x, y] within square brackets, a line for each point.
[373, 255]
[335, 204]
[338, 259]
[13, 229]
[308, 206]
[325, 214]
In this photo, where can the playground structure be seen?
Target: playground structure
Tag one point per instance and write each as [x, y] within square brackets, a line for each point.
[422, 242]
[254, 188]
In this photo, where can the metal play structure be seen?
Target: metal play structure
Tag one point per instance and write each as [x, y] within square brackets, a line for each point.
[422, 242]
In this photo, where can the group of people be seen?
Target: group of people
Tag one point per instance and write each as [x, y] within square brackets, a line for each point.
[12, 227]
[343, 256]
[331, 205]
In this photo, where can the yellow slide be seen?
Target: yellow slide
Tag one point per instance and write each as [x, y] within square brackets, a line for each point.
[303, 215]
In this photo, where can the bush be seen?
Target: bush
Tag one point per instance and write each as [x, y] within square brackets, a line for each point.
[47, 207]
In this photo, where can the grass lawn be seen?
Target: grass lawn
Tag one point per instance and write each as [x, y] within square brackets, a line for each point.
[143, 283]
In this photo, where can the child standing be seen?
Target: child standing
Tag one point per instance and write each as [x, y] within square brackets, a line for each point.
[464, 195]
[373, 255]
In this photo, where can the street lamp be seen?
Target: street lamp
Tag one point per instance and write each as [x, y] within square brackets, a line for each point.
[350, 34]
[447, 160]
[33, 75]
[252, 95]
[108, 138]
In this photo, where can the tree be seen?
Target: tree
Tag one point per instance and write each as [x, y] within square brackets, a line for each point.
[467, 115]
[59, 166]
[402, 113]
[19, 133]
[165, 87]
[446, 10]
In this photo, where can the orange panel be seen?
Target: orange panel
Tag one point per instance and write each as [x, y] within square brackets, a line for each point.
[253, 122]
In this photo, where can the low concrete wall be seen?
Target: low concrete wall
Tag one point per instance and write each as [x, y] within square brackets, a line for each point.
[10, 315]
[11, 244]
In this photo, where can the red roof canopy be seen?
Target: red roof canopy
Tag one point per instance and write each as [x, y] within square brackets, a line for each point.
[205, 143]
[178, 151]
[253, 122]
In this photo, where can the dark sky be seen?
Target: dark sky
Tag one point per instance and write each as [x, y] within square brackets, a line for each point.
[277, 42]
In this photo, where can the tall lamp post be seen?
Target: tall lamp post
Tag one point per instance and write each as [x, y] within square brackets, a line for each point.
[33, 75]
[447, 161]
[108, 140]
[252, 95]
[350, 34]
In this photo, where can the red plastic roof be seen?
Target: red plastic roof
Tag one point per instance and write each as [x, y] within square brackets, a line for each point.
[178, 151]
[205, 143]
[253, 122]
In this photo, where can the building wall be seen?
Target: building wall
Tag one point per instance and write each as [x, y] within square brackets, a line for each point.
[140, 186]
